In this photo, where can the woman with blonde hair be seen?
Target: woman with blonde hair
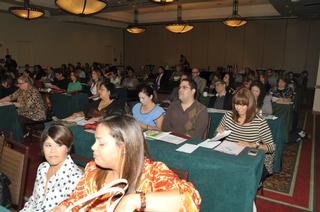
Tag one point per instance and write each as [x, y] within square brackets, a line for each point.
[28, 101]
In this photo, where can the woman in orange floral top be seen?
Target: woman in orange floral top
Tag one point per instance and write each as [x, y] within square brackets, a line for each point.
[119, 152]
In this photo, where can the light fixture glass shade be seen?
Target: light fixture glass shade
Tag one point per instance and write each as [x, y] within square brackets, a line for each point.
[82, 7]
[136, 29]
[28, 13]
[163, 1]
[234, 22]
[179, 28]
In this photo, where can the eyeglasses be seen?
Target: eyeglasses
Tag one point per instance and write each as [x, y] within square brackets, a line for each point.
[184, 87]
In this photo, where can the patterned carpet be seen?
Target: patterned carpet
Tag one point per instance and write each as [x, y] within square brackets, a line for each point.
[293, 189]
[281, 182]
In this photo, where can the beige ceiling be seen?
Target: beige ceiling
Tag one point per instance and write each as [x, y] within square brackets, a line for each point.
[120, 12]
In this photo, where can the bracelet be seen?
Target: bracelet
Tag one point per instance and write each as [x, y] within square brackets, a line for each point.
[143, 200]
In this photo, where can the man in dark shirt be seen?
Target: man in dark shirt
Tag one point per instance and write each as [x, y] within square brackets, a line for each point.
[60, 82]
[222, 99]
[187, 115]
[7, 87]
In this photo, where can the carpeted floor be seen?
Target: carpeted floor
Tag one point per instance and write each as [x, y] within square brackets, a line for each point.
[294, 188]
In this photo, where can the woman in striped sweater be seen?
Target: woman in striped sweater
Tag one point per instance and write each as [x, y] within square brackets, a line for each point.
[248, 128]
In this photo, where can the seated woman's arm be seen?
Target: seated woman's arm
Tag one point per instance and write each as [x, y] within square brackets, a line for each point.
[164, 191]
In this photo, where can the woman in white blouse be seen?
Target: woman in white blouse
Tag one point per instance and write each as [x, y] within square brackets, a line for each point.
[59, 175]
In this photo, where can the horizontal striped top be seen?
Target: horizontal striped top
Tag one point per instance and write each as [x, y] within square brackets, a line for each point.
[256, 131]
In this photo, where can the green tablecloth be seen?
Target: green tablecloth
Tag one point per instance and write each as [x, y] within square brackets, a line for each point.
[64, 105]
[9, 122]
[225, 182]
[3, 209]
[286, 112]
[277, 130]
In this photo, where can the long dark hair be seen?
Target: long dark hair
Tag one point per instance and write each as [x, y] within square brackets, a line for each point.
[262, 94]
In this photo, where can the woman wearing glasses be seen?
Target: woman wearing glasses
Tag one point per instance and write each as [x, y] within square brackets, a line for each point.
[29, 103]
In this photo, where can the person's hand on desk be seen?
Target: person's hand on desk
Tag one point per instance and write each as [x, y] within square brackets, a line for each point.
[247, 144]
[220, 129]
[17, 104]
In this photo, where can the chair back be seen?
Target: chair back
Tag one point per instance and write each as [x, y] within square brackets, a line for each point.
[13, 163]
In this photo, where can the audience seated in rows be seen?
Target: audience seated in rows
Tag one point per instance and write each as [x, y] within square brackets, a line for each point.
[130, 82]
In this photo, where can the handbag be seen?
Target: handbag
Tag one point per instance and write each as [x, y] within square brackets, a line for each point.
[109, 188]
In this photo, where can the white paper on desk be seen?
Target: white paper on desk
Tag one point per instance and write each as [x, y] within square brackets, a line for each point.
[170, 138]
[187, 148]
[229, 147]
[220, 136]
[90, 131]
[209, 144]
[213, 110]
[6, 103]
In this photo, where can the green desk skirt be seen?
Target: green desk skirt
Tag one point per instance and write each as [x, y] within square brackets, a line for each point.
[225, 182]
[9, 122]
[286, 112]
[277, 129]
[64, 105]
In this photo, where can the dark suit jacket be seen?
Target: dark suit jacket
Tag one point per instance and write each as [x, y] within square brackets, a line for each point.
[227, 104]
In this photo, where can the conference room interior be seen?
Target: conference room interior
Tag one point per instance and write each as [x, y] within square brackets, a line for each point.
[279, 40]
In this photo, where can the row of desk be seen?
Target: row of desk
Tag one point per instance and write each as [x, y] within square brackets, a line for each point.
[225, 182]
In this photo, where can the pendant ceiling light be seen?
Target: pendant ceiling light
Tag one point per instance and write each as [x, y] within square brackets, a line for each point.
[82, 7]
[180, 26]
[136, 28]
[163, 1]
[27, 12]
[235, 20]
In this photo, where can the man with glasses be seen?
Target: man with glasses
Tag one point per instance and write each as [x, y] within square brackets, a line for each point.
[222, 99]
[201, 83]
[187, 115]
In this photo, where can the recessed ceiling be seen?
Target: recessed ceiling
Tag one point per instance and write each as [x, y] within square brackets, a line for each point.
[119, 13]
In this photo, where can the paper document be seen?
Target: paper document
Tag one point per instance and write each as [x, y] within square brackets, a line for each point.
[187, 148]
[228, 147]
[209, 144]
[220, 136]
[213, 110]
[167, 137]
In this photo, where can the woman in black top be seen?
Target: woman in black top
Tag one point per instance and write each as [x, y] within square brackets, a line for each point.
[107, 105]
